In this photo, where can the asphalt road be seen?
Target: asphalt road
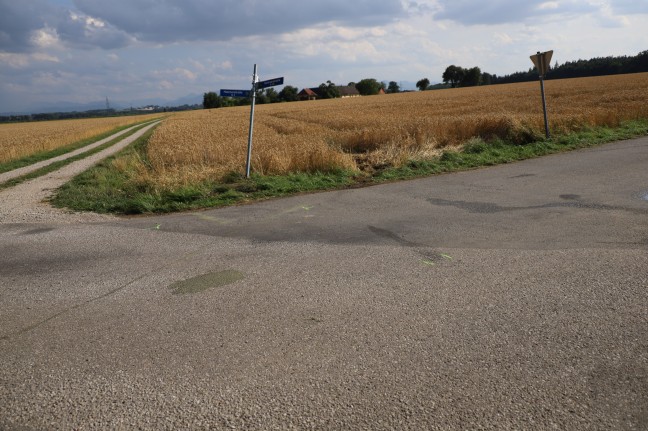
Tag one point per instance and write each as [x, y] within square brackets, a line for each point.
[512, 297]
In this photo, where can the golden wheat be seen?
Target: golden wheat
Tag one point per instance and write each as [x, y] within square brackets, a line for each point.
[24, 139]
[382, 130]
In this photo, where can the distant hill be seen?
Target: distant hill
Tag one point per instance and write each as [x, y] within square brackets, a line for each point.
[63, 106]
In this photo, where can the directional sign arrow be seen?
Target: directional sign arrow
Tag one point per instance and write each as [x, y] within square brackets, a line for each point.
[235, 93]
[270, 82]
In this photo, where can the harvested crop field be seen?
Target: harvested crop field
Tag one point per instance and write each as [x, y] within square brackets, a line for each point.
[24, 139]
[372, 132]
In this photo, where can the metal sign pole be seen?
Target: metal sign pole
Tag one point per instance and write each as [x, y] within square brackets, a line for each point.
[541, 61]
[249, 150]
[544, 107]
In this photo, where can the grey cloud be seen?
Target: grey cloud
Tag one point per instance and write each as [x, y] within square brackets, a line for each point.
[20, 20]
[169, 20]
[629, 7]
[77, 31]
[469, 12]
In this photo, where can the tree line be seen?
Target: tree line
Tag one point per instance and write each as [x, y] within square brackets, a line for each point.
[327, 90]
[453, 77]
[457, 76]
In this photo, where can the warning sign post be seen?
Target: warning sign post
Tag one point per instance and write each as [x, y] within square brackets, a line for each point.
[542, 60]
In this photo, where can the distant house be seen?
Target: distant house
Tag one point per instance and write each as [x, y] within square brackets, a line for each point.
[313, 93]
[308, 94]
[348, 91]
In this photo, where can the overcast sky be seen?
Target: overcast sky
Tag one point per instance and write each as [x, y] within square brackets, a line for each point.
[132, 50]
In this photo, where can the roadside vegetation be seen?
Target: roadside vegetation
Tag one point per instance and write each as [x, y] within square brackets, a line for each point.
[196, 159]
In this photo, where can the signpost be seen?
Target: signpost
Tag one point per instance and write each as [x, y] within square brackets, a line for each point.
[542, 60]
[235, 93]
[270, 83]
[256, 85]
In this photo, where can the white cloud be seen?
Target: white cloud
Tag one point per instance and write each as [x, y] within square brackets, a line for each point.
[45, 38]
[23, 61]
[503, 38]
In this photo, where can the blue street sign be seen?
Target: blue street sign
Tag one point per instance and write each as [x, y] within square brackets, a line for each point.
[270, 82]
[235, 93]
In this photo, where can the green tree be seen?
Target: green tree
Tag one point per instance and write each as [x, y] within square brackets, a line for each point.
[393, 87]
[453, 75]
[328, 90]
[472, 77]
[272, 95]
[423, 84]
[212, 100]
[261, 98]
[289, 94]
[368, 86]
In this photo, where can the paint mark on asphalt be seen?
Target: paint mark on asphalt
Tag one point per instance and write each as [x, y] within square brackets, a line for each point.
[205, 282]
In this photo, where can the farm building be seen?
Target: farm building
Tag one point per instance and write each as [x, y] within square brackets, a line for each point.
[348, 91]
[308, 94]
[313, 93]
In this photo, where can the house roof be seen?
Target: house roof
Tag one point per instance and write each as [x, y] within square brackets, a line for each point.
[348, 90]
[309, 92]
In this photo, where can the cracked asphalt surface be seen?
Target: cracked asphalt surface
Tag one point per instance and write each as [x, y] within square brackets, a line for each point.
[512, 297]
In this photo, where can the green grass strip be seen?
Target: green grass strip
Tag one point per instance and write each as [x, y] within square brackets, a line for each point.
[61, 163]
[479, 154]
[39, 157]
[105, 189]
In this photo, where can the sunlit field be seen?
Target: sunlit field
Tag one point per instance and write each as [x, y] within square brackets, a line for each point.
[24, 139]
[373, 132]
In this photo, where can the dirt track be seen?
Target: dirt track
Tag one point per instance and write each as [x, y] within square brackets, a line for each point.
[24, 203]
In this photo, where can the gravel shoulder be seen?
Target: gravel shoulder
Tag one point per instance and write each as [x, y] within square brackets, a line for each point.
[25, 203]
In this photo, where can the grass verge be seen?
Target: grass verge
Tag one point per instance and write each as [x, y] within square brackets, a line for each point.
[39, 157]
[112, 186]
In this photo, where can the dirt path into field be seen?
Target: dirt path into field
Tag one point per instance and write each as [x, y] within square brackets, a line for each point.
[6, 176]
[25, 203]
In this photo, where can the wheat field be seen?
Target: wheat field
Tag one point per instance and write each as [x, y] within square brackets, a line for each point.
[24, 139]
[388, 130]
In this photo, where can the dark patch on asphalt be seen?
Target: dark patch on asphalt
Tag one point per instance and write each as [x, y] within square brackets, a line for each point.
[491, 208]
[523, 176]
[384, 233]
[430, 257]
[205, 282]
[570, 197]
[38, 231]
